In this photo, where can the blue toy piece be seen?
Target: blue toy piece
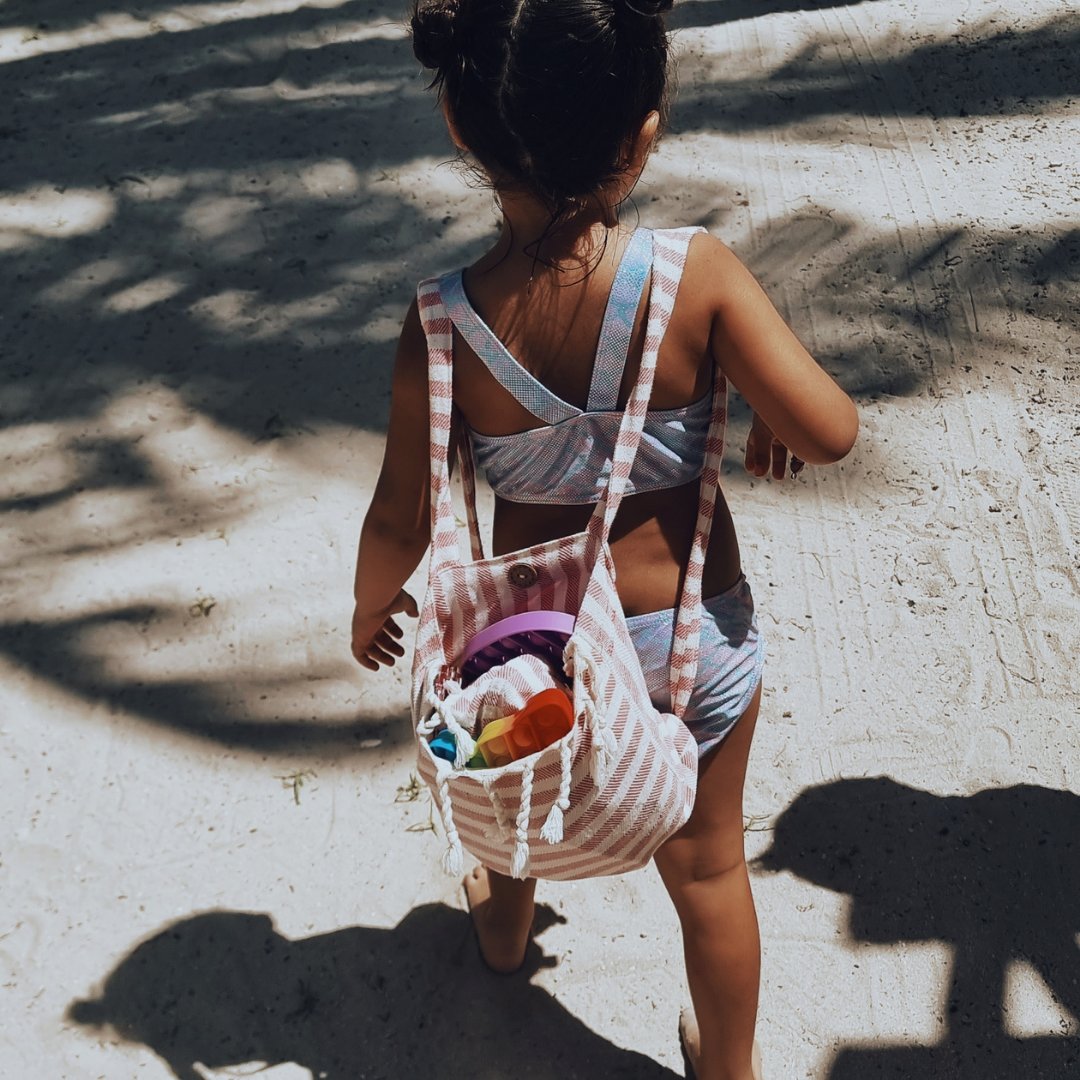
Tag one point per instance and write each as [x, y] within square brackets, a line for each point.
[444, 745]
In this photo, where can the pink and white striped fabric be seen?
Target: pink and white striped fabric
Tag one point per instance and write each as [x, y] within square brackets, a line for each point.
[603, 798]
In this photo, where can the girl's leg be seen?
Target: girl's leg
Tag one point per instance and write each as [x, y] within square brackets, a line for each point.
[704, 869]
[502, 911]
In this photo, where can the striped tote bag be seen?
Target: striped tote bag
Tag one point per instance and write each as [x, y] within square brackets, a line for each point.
[603, 798]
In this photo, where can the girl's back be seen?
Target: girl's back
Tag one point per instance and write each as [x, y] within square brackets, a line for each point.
[550, 318]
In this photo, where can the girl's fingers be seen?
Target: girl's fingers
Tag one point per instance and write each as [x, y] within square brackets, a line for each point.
[756, 461]
[383, 649]
[379, 655]
[374, 653]
[779, 460]
[385, 642]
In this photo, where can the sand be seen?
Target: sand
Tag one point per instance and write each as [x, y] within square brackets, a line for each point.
[214, 855]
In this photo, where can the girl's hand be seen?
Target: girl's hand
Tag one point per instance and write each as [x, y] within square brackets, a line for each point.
[374, 637]
[765, 452]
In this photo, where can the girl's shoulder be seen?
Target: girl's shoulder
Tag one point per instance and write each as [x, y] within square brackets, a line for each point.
[712, 276]
[707, 254]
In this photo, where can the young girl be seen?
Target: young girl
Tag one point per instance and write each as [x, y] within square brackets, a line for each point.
[558, 104]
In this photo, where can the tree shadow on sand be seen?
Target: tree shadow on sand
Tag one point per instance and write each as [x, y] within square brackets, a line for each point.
[226, 215]
[979, 71]
[297, 709]
[994, 875]
[224, 988]
[716, 12]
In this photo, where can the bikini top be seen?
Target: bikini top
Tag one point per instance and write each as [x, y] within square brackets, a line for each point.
[568, 461]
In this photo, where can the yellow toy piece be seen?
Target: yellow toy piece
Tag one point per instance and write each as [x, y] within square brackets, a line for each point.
[545, 718]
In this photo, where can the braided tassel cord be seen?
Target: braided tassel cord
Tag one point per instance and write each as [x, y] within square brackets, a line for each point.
[453, 860]
[520, 866]
[552, 831]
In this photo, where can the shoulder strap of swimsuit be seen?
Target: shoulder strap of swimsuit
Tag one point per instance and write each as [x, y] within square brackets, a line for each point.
[622, 306]
[526, 388]
[669, 256]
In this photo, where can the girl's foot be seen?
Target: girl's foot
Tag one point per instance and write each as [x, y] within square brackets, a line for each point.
[502, 931]
[690, 1041]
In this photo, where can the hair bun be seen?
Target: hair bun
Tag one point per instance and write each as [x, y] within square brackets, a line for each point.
[432, 26]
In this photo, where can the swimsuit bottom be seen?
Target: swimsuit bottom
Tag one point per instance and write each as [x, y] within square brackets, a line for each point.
[730, 658]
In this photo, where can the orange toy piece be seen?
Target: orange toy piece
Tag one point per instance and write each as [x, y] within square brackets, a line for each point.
[545, 718]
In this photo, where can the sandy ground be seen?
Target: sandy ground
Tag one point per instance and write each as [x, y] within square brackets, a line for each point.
[211, 219]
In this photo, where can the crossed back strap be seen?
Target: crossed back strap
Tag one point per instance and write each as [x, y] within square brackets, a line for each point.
[669, 248]
[618, 325]
[611, 350]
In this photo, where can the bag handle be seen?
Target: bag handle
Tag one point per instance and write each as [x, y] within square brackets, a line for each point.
[682, 673]
[467, 470]
[440, 343]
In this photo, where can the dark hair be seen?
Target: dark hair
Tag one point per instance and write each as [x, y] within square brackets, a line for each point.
[546, 94]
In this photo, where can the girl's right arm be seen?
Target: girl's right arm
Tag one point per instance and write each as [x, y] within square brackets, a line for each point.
[797, 399]
[397, 528]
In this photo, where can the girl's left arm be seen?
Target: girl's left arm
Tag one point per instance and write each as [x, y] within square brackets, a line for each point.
[397, 528]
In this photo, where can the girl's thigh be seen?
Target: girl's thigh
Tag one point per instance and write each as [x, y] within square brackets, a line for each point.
[711, 842]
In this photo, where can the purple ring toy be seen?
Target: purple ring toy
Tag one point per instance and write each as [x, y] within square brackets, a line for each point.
[536, 633]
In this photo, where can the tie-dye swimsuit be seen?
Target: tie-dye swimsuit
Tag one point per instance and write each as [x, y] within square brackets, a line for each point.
[567, 461]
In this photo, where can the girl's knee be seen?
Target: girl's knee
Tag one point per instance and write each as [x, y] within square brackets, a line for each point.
[699, 882]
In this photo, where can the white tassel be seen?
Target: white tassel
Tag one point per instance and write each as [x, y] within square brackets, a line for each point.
[520, 865]
[453, 863]
[453, 860]
[604, 744]
[552, 831]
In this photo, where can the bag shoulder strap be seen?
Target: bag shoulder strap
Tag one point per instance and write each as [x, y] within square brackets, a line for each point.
[685, 652]
[438, 330]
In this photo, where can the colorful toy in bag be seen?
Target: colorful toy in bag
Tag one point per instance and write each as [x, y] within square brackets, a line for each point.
[544, 719]
[631, 769]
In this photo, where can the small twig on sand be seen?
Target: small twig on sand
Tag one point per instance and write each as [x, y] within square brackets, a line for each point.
[409, 793]
[295, 781]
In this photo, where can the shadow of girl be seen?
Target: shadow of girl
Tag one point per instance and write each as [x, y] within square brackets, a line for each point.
[224, 988]
[994, 875]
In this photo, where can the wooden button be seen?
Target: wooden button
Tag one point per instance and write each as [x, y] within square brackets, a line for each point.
[522, 575]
